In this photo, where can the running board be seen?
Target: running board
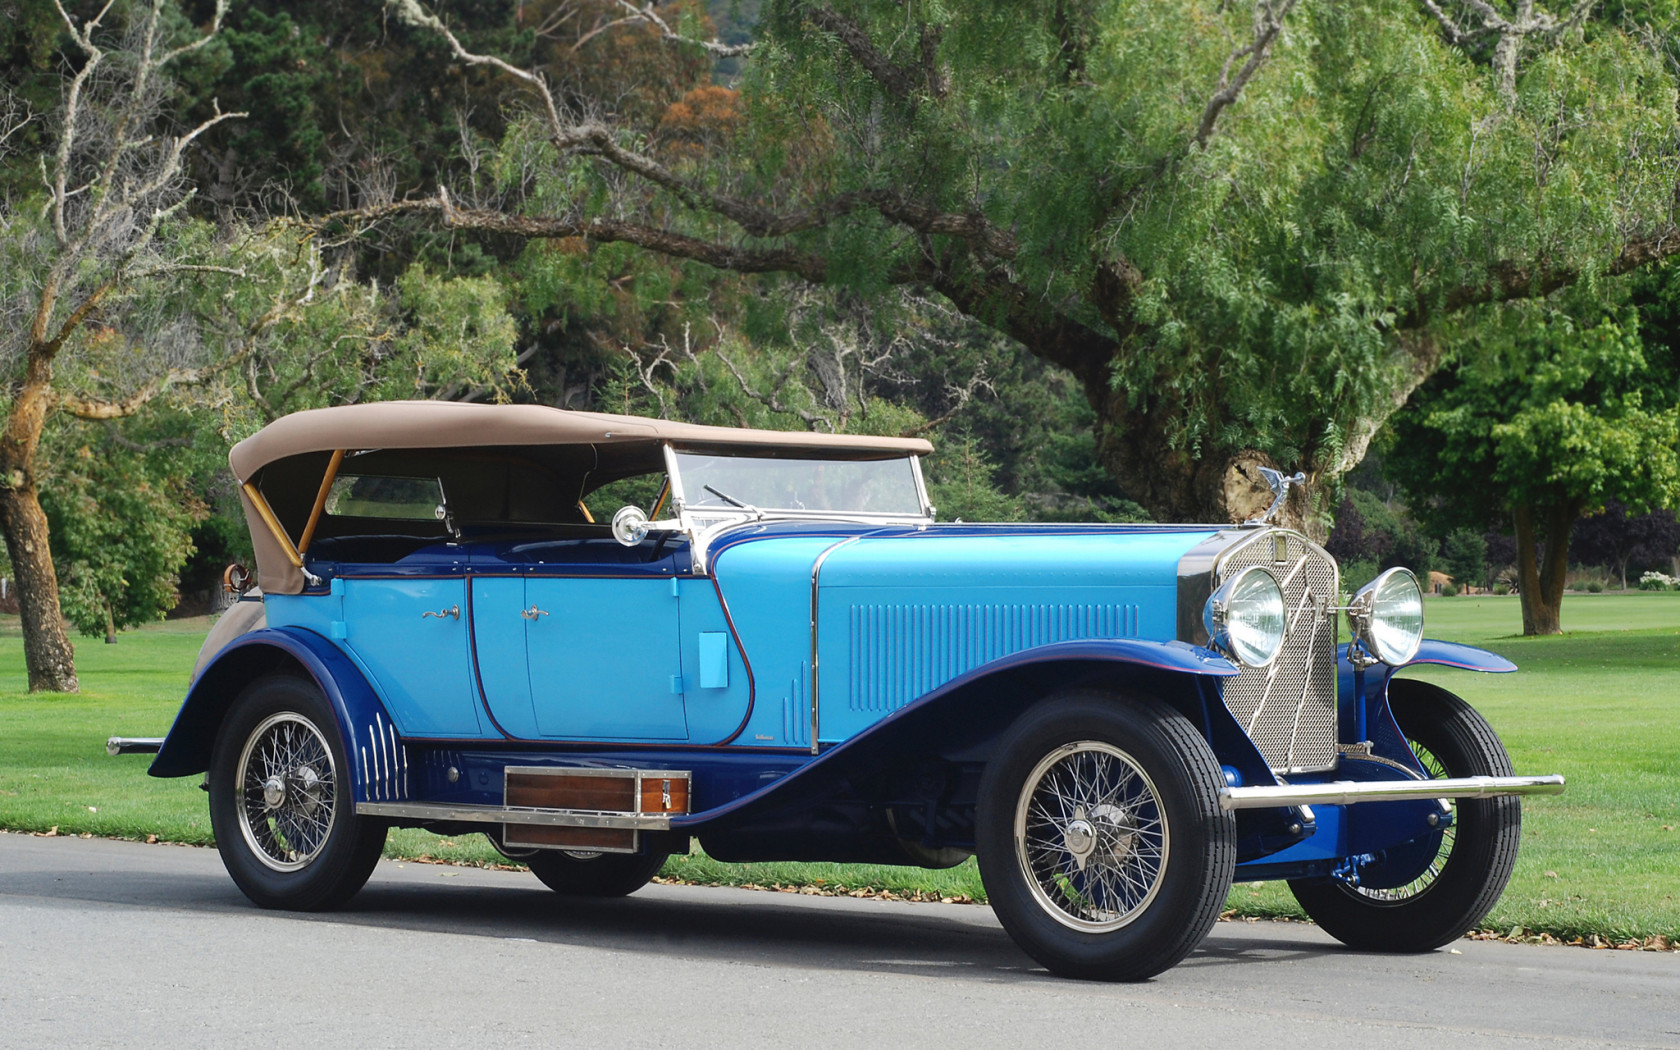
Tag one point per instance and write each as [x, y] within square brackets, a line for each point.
[1349, 793]
[564, 818]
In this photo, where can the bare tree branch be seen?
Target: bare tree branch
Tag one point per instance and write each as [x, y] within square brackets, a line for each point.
[1268, 23]
[646, 13]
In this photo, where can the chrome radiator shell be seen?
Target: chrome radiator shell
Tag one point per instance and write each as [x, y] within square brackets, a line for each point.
[1289, 708]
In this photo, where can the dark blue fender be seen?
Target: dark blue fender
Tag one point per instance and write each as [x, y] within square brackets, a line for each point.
[370, 738]
[963, 716]
[1380, 728]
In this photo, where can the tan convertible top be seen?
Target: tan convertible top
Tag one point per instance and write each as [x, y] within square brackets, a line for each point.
[451, 424]
[397, 425]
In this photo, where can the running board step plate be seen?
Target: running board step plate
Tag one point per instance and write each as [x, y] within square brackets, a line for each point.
[576, 808]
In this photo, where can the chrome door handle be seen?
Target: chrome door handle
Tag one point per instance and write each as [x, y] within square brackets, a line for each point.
[453, 612]
[532, 613]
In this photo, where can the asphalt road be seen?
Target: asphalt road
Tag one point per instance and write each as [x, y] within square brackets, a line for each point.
[120, 944]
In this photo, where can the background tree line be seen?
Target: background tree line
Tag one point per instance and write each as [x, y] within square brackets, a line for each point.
[1113, 257]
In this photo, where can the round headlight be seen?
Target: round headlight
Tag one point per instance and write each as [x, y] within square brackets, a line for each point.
[1387, 616]
[1246, 617]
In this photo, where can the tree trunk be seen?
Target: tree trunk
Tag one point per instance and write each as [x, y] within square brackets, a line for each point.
[1541, 578]
[1221, 487]
[47, 651]
[110, 624]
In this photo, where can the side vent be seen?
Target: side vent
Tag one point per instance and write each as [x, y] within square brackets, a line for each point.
[900, 652]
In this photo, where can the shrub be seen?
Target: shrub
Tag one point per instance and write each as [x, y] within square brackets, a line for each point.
[1449, 591]
[1502, 588]
[1594, 586]
[1658, 581]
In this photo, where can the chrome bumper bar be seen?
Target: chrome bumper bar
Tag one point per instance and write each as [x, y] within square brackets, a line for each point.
[134, 745]
[1348, 793]
[565, 818]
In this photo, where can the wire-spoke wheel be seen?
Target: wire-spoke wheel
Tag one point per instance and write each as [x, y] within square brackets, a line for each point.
[1455, 879]
[281, 804]
[289, 791]
[1089, 832]
[1101, 841]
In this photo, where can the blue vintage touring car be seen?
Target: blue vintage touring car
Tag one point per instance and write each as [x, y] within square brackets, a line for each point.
[466, 622]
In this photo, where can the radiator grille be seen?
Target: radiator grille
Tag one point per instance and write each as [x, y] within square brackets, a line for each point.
[1289, 708]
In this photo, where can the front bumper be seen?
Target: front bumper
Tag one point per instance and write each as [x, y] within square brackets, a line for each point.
[1348, 793]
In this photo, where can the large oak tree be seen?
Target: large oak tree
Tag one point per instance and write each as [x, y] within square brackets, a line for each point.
[1250, 230]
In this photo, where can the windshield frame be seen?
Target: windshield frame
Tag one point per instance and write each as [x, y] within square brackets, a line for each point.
[704, 525]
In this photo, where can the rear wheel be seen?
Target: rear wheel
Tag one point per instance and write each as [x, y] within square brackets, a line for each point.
[1462, 869]
[1101, 842]
[581, 873]
[281, 804]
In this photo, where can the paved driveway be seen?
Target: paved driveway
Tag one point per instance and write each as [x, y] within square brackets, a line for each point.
[119, 944]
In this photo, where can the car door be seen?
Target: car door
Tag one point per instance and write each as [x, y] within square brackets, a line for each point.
[411, 635]
[603, 658]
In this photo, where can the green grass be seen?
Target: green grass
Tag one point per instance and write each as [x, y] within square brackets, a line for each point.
[1597, 704]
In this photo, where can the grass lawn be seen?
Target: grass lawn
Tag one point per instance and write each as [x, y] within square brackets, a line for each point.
[1598, 704]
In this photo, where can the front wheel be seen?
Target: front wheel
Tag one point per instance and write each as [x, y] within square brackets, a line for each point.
[582, 873]
[281, 804]
[1466, 865]
[1101, 842]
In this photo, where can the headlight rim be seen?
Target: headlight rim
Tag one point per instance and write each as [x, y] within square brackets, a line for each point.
[1216, 611]
[1362, 614]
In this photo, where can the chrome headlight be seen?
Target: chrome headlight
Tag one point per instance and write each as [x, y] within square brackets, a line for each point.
[1387, 616]
[1246, 617]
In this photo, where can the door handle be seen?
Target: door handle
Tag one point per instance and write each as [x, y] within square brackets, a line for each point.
[453, 612]
[533, 612]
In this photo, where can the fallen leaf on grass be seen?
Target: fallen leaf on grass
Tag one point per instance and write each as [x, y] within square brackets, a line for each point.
[151, 840]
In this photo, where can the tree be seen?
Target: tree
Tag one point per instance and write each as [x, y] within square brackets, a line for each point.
[1616, 538]
[1247, 230]
[1550, 420]
[121, 523]
[109, 232]
[1464, 556]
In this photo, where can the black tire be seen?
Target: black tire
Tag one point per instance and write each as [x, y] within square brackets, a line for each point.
[291, 839]
[1472, 860]
[587, 874]
[1070, 894]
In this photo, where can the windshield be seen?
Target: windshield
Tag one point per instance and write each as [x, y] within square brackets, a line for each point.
[724, 483]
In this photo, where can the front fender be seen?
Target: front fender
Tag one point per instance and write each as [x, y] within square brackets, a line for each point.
[1386, 739]
[370, 738]
[965, 715]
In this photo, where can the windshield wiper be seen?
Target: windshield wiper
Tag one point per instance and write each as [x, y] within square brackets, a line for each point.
[733, 502]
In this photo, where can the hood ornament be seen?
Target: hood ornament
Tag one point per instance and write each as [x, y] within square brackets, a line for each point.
[1279, 483]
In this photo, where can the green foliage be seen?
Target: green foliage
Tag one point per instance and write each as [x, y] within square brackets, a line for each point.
[961, 486]
[1464, 557]
[121, 525]
[1551, 412]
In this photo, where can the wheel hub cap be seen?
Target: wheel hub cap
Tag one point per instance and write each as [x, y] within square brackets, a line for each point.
[274, 792]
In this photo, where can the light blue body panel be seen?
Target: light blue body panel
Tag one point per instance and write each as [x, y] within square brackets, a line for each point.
[411, 637]
[899, 617]
[717, 681]
[503, 676]
[603, 658]
[767, 586]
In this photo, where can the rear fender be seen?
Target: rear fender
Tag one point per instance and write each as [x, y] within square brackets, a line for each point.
[379, 758]
[962, 720]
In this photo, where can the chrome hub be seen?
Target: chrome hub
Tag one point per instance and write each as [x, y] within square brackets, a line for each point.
[1080, 838]
[274, 792]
